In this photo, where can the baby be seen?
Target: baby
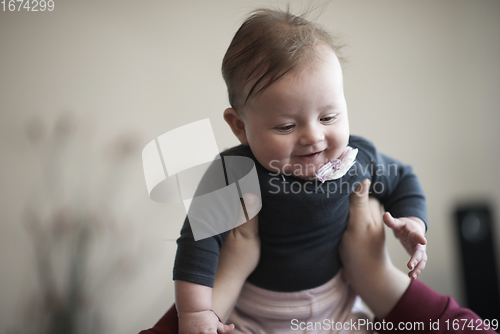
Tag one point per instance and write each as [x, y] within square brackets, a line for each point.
[289, 112]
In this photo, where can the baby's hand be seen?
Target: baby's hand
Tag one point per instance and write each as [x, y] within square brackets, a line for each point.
[205, 322]
[411, 233]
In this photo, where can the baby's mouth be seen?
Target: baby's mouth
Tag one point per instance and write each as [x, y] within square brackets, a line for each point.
[309, 157]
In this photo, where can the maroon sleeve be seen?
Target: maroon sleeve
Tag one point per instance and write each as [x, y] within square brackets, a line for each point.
[168, 324]
[424, 307]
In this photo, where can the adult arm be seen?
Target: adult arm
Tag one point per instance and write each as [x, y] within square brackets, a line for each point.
[238, 258]
[422, 306]
[393, 183]
[399, 190]
[385, 289]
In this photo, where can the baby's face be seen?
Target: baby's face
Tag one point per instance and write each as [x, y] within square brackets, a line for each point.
[300, 122]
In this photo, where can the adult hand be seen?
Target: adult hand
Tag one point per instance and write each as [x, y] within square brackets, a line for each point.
[238, 258]
[367, 265]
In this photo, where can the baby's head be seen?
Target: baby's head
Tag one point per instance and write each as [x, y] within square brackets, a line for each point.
[286, 92]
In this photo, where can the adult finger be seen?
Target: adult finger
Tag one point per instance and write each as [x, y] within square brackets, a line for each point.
[251, 204]
[359, 208]
[359, 197]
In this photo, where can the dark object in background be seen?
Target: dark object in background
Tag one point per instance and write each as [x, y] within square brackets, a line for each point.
[475, 230]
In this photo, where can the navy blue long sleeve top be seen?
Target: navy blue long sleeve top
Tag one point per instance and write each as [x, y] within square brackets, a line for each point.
[302, 221]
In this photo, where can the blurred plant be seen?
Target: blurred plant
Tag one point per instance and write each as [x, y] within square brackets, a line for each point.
[78, 246]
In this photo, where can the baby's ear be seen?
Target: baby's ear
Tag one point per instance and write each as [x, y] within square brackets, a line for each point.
[237, 125]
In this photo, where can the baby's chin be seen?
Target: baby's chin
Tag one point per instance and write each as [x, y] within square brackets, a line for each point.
[301, 173]
[304, 177]
[298, 170]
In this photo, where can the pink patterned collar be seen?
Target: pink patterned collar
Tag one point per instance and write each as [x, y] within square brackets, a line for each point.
[337, 168]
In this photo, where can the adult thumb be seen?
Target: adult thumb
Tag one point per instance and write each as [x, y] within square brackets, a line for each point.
[359, 197]
[252, 204]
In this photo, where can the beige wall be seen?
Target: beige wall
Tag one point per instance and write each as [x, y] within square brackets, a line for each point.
[421, 82]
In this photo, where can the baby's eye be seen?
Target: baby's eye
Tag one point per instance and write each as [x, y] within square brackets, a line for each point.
[286, 128]
[328, 119]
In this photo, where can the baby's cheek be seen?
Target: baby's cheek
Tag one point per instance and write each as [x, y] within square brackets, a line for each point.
[343, 138]
[268, 160]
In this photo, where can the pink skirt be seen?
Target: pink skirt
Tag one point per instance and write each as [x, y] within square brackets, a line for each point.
[330, 308]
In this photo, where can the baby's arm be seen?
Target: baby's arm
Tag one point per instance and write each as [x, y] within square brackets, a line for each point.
[194, 309]
[411, 232]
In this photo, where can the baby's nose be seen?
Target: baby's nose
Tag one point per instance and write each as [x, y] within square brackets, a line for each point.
[311, 135]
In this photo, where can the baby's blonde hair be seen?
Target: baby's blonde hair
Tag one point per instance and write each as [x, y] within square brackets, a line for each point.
[269, 44]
